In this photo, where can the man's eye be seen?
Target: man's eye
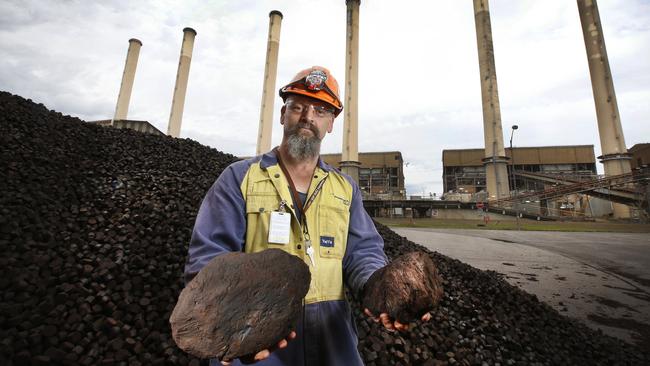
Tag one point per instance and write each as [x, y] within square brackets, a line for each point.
[296, 107]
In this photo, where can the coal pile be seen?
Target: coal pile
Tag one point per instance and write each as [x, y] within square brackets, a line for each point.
[94, 228]
[483, 320]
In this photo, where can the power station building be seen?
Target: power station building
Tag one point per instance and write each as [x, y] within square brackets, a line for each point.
[640, 156]
[464, 172]
[381, 174]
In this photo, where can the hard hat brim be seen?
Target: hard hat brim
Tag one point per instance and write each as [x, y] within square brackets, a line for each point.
[321, 95]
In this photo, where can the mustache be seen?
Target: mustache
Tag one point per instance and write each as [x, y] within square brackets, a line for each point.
[300, 125]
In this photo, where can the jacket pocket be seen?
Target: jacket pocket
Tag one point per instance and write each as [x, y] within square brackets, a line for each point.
[258, 212]
[334, 222]
[262, 202]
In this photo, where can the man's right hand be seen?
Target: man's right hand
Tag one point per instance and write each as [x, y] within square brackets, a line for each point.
[265, 353]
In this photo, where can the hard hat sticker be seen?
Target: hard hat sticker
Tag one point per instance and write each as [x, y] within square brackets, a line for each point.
[315, 80]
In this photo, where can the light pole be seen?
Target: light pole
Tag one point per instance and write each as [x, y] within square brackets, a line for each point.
[512, 156]
[514, 176]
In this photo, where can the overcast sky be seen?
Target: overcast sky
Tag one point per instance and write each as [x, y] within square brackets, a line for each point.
[419, 85]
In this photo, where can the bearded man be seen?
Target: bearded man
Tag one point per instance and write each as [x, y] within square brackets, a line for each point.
[327, 225]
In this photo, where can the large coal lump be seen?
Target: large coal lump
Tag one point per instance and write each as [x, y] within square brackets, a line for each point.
[240, 304]
[405, 289]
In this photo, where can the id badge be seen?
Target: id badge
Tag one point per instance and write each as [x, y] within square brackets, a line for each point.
[280, 227]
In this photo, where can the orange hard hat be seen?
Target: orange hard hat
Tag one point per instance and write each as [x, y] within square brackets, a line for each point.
[315, 82]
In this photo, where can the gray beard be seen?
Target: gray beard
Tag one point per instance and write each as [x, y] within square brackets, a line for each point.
[303, 148]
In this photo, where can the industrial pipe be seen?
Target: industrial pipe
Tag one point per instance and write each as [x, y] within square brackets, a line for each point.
[130, 65]
[615, 158]
[495, 160]
[350, 154]
[182, 75]
[268, 90]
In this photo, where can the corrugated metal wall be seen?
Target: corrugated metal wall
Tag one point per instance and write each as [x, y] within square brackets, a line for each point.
[578, 154]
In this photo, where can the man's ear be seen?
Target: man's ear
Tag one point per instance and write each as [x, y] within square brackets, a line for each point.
[282, 110]
[330, 125]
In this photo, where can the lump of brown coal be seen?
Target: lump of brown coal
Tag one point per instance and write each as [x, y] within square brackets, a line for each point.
[233, 309]
[405, 289]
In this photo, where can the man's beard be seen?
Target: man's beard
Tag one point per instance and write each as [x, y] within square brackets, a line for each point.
[303, 147]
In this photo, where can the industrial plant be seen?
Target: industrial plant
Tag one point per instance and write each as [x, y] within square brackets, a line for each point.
[97, 221]
[512, 181]
[503, 179]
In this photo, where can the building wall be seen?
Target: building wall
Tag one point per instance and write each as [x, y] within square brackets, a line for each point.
[524, 155]
[640, 155]
[381, 174]
[463, 170]
[141, 126]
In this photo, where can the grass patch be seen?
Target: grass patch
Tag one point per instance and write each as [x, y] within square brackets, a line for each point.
[524, 224]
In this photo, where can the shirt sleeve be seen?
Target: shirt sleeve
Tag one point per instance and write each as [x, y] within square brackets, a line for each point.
[220, 225]
[365, 247]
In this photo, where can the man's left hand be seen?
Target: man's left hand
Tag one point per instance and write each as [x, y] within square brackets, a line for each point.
[392, 324]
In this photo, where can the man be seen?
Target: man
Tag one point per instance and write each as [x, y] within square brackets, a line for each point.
[327, 225]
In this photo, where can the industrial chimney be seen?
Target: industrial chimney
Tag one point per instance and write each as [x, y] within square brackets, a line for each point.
[350, 154]
[495, 157]
[131, 64]
[268, 91]
[178, 101]
[615, 158]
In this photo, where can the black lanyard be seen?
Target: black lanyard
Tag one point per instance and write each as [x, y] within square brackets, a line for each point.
[294, 192]
[309, 250]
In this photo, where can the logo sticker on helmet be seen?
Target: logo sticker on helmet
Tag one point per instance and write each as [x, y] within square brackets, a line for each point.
[315, 80]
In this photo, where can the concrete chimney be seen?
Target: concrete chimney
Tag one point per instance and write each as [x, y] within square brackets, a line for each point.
[615, 158]
[268, 91]
[178, 102]
[495, 157]
[131, 64]
[350, 154]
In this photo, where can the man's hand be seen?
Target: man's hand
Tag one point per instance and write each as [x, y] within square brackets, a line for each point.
[391, 324]
[265, 353]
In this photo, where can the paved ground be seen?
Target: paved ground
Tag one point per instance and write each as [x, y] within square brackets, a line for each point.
[602, 279]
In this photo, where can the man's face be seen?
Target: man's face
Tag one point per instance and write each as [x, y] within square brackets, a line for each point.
[306, 117]
[306, 121]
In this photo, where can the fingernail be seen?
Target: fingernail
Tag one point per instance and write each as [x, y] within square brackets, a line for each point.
[262, 355]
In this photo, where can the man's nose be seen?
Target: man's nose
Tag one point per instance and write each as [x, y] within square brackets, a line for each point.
[308, 113]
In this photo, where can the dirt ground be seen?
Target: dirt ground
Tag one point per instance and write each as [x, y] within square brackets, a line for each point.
[602, 279]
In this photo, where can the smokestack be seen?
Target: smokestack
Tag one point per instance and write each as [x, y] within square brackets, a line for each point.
[268, 91]
[615, 158]
[131, 64]
[495, 156]
[178, 102]
[350, 155]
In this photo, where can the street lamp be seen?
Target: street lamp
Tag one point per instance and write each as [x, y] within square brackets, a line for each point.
[514, 176]
[512, 157]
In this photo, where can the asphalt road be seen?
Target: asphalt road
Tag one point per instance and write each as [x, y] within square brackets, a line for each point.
[602, 279]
